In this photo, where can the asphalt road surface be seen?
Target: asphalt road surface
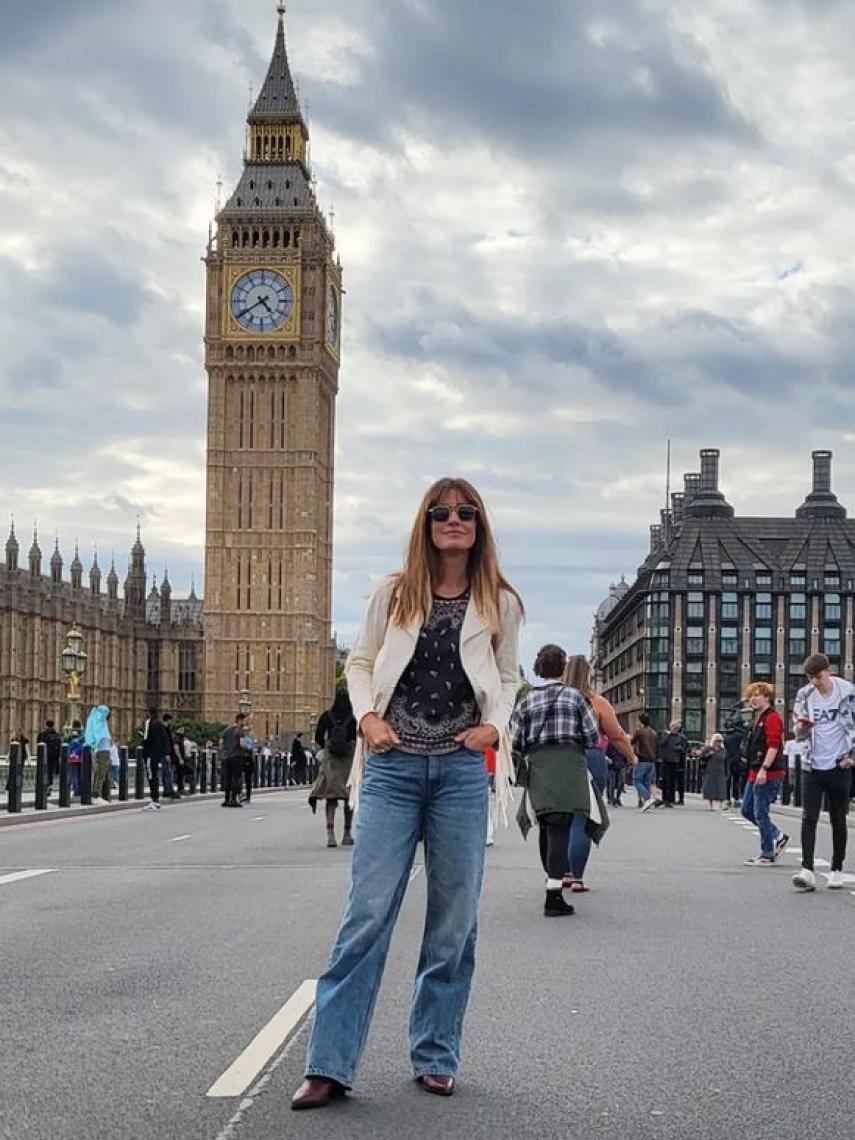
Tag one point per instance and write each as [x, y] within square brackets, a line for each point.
[165, 956]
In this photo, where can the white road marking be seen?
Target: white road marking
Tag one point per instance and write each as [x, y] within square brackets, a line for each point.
[822, 863]
[19, 876]
[749, 827]
[180, 838]
[240, 1075]
[259, 818]
[848, 880]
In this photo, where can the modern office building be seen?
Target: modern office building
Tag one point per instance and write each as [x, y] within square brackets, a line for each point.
[722, 600]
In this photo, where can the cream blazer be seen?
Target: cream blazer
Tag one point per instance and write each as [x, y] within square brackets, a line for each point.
[383, 651]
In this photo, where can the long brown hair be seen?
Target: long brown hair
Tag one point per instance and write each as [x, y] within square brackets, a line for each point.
[577, 674]
[412, 592]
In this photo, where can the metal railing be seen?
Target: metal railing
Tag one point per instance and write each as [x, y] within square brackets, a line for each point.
[20, 777]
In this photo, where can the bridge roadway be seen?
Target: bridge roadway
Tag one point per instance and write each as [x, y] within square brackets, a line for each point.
[689, 996]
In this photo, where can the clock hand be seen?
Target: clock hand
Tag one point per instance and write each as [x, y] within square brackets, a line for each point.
[263, 301]
[249, 310]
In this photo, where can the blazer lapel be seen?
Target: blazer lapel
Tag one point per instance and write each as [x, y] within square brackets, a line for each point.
[473, 624]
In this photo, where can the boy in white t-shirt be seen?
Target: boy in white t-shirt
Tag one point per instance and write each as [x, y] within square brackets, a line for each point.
[824, 715]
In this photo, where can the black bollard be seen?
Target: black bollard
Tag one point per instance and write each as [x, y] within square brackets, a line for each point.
[797, 796]
[213, 755]
[255, 767]
[202, 761]
[15, 781]
[123, 774]
[86, 776]
[64, 797]
[41, 777]
[139, 774]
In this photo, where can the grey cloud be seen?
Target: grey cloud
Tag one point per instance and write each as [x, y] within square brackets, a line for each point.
[533, 85]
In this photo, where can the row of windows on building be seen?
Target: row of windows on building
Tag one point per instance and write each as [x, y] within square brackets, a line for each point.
[261, 419]
[270, 590]
[797, 593]
[274, 665]
[265, 237]
[261, 352]
[188, 679]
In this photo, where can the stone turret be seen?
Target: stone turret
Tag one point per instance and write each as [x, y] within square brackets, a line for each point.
[165, 600]
[56, 565]
[13, 549]
[35, 556]
[76, 569]
[95, 577]
[113, 582]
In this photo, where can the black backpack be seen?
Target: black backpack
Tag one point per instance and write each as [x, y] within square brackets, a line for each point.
[338, 737]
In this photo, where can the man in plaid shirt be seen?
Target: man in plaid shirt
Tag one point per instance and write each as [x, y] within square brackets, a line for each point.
[556, 715]
[545, 716]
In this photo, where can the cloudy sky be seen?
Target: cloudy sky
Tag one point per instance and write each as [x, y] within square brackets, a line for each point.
[570, 229]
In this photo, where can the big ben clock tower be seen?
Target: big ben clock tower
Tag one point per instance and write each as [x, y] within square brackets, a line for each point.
[272, 341]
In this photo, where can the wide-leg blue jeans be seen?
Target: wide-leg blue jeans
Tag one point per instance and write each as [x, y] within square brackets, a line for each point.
[404, 797]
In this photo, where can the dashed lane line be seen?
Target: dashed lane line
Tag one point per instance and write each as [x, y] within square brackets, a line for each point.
[180, 838]
[241, 1073]
[19, 876]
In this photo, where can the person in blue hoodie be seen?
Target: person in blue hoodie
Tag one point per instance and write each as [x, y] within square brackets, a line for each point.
[97, 736]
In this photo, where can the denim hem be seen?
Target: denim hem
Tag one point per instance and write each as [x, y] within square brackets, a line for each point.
[329, 1075]
[417, 1073]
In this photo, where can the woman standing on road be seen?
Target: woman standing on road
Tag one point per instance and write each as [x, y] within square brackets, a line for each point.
[336, 735]
[433, 678]
[578, 675]
[714, 759]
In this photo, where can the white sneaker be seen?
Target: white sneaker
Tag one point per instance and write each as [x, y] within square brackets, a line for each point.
[648, 804]
[805, 880]
[835, 881]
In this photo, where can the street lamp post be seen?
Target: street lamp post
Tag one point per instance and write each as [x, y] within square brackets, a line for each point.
[73, 662]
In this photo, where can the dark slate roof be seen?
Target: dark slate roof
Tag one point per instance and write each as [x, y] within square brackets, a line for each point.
[750, 544]
[182, 610]
[277, 101]
[279, 187]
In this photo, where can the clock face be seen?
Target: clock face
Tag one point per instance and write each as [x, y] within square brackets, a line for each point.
[332, 316]
[262, 301]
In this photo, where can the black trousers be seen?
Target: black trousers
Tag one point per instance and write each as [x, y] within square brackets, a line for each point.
[669, 782]
[232, 779]
[835, 784]
[734, 784]
[554, 842]
[680, 782]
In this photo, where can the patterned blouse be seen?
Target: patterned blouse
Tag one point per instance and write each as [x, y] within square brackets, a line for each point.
[433, 702]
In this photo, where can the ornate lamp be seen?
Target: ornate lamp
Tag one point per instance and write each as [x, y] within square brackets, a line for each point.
[73, 662]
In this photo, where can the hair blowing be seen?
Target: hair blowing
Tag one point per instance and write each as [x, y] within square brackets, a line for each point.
[578, 674]
[412, 591]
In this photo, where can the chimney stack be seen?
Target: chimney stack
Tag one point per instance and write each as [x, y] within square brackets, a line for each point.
[822, 502]
[677, 501]
[691, 486]
[706, 500]
[655, 538]
[709, 470]
[822, 472]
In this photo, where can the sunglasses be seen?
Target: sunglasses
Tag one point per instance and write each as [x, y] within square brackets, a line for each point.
[464, 511]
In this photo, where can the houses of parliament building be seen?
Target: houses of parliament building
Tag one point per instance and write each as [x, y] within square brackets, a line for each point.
[272, 350]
